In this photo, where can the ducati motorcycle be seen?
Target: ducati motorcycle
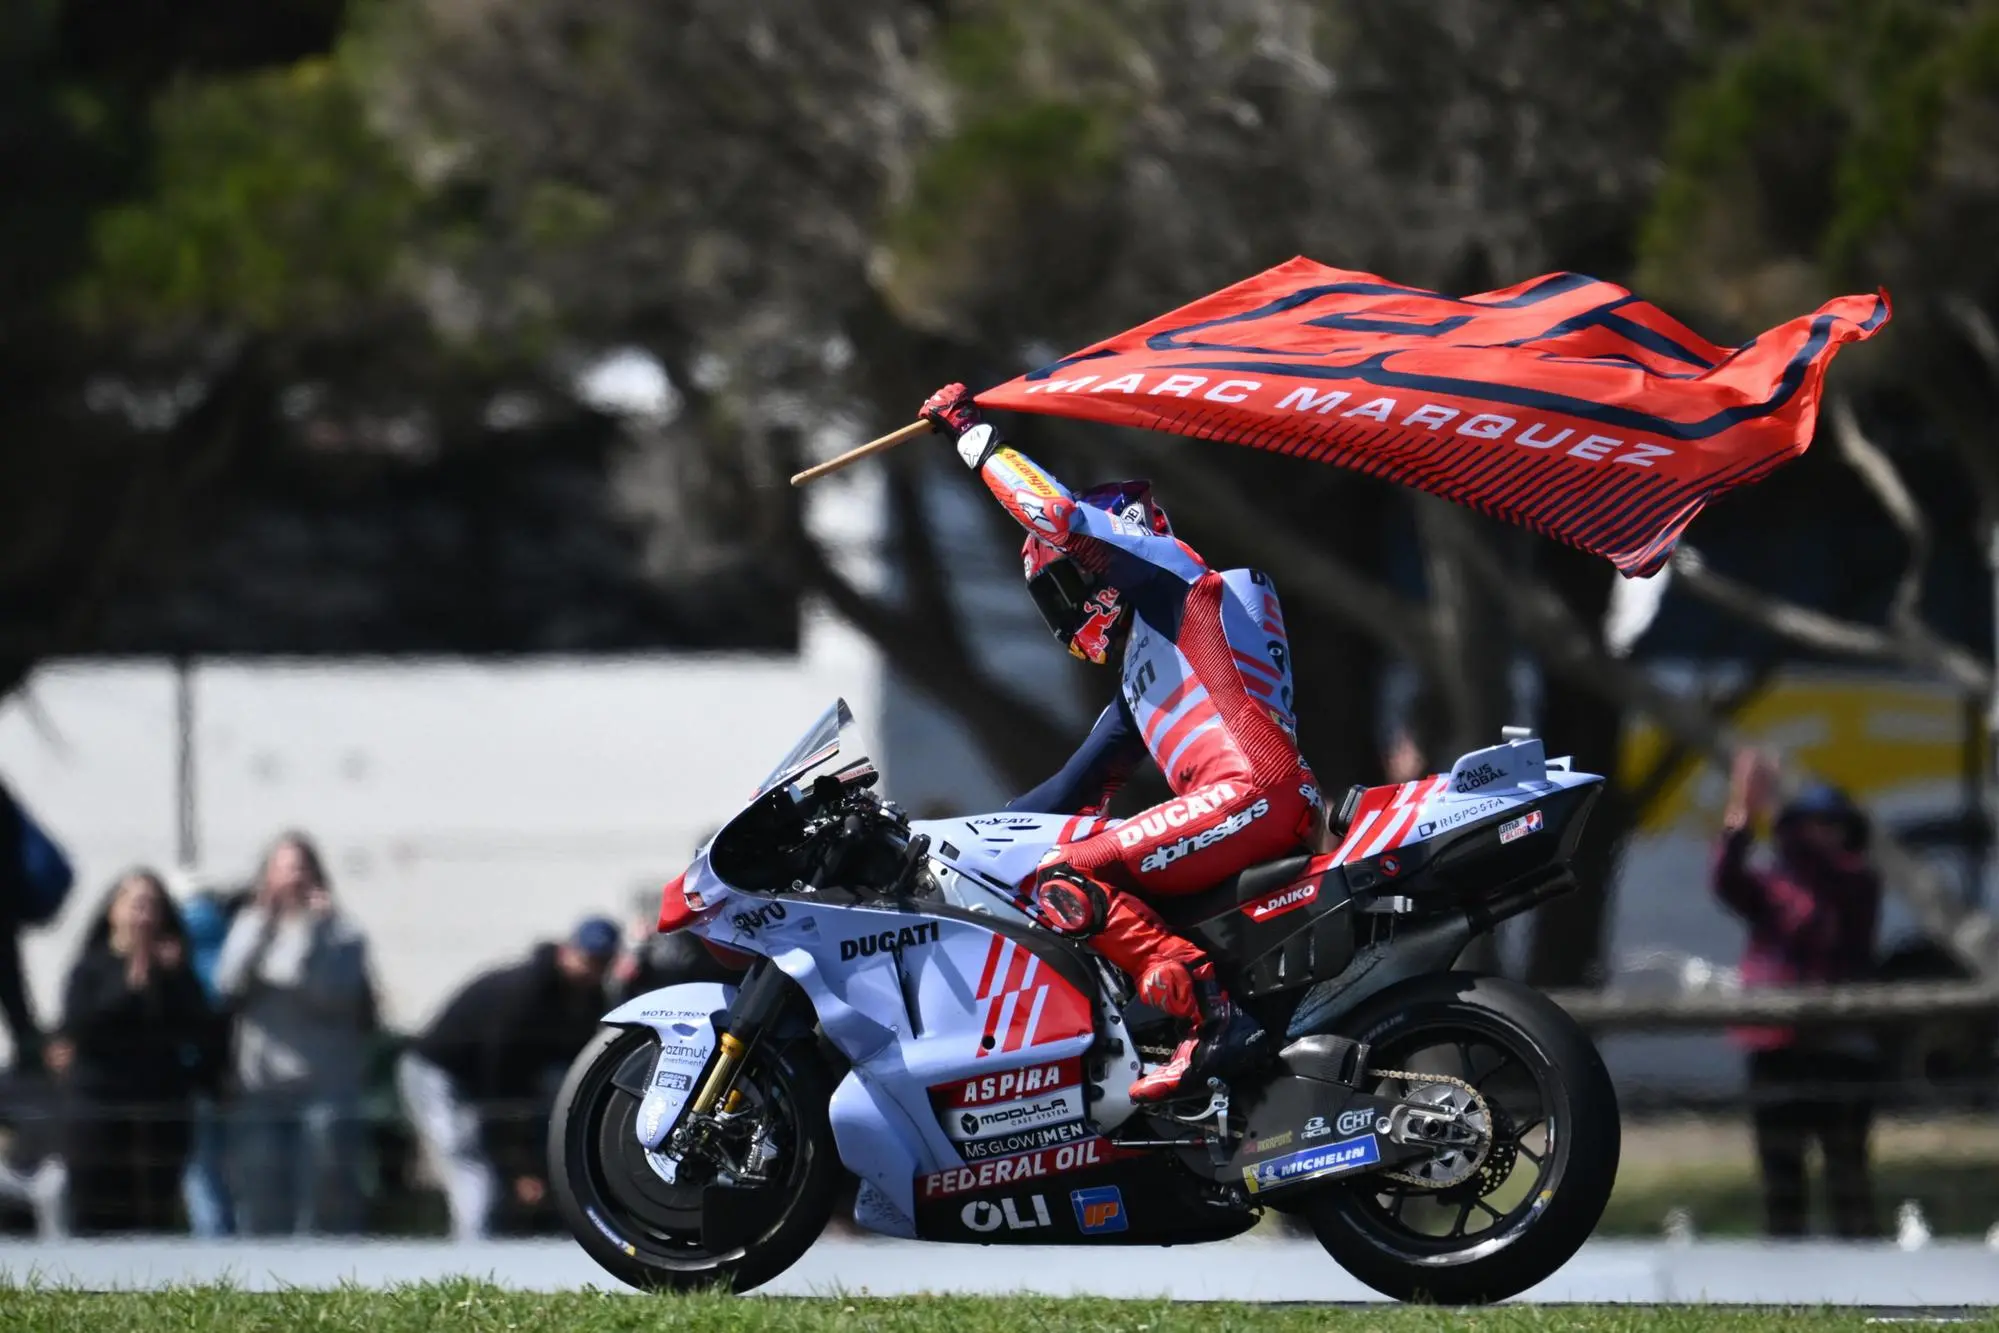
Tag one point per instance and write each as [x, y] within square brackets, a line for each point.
[903, 1019]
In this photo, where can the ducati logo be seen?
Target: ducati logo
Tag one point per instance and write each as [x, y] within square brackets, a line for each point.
[1166, 855]
[1175, 814]
[888, 941]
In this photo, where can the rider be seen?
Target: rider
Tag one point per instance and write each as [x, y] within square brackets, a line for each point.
[1206, 689]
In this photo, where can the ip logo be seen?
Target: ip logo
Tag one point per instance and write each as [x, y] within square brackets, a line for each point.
[1099, 1211]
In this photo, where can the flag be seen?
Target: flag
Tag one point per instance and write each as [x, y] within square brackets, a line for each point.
[1563, 404]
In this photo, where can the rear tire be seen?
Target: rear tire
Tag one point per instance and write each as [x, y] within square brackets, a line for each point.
[647, 1232]
[1359, 1221]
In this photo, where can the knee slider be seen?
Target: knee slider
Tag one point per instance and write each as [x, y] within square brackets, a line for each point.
[1070, 903]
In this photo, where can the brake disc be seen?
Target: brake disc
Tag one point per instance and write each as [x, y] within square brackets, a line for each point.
[1454, 1163]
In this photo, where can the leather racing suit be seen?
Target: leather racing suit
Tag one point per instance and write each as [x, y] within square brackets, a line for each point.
[1205, 688]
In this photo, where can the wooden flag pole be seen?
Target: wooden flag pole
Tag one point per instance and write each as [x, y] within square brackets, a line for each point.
[855, 455]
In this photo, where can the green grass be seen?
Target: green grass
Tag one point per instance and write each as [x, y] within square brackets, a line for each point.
[451, 1307]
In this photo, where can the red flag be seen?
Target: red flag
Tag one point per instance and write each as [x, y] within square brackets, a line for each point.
[1563, 404]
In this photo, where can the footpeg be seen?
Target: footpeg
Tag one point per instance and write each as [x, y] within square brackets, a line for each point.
[1216, 1109]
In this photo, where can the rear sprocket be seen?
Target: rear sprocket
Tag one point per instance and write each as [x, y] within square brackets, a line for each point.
[1456, 1161]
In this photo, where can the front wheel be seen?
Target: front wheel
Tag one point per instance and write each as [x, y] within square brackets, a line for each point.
[1485, 1224]
[653, 1233]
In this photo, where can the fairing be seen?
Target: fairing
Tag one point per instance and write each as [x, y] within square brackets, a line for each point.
[966, 1025]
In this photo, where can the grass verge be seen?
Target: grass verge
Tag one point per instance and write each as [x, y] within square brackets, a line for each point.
[452, 1307]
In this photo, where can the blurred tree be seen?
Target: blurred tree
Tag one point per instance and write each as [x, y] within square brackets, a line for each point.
[236, 385]
[102, 477]
[1100, 162]
[1824, 146]
[809, 221]
[326, 253]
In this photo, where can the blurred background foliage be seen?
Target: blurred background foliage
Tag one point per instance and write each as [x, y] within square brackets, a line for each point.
[300, 302]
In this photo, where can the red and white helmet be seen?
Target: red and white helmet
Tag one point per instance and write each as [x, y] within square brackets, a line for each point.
[1080, 606]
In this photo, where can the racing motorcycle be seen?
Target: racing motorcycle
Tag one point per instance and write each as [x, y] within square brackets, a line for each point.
[901, 1017]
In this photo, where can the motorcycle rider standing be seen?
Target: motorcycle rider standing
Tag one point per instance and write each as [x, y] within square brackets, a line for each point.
[1205, 689]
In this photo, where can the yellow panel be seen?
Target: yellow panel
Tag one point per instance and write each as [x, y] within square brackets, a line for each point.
[1869, 734]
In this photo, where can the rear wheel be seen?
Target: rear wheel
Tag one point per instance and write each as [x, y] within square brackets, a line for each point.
[1483, 1224]
[706, 1227]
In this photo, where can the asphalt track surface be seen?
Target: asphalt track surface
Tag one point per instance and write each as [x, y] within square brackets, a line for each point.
[1939, 1280]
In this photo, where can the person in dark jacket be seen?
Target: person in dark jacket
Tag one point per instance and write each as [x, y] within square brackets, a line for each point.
[138, 1039]
[651, 960]
[1812, 916]
[475, 1084]
[15, 1009]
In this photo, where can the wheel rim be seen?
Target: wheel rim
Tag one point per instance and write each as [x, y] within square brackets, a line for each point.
[1523, 1166]
[619, 1187]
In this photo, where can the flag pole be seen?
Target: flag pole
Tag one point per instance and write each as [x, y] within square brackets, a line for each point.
[856, 454]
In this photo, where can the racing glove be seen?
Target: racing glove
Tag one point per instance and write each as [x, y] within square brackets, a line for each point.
[953, 412]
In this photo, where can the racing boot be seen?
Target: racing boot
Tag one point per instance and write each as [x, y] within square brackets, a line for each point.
[1220, 1038]
[1174, 977]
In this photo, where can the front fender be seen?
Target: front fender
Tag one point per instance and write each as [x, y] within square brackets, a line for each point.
[683, 1017]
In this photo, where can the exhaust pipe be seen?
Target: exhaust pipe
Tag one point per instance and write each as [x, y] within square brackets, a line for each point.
[1484, 916]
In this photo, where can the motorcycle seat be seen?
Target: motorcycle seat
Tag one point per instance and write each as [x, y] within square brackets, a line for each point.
[1266, 878]
[1182, 911]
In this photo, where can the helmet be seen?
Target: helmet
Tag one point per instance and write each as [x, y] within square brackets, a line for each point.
[1079, 605]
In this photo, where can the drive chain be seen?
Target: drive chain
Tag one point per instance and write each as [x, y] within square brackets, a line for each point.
[1475, 1160]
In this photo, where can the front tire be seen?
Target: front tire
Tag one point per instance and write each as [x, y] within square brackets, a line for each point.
[646, 1231]
[1552, 1111]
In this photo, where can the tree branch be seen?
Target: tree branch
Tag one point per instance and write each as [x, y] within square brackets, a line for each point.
[1881, 477]
[1566, 649]
[1978, 332]
[1977, 328]
[1915, 646]
[161, 489]
[1311, 577]
[1017, 736]
[1676, 759]
[916, 549]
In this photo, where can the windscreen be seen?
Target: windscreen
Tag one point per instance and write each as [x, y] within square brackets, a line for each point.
[820, 742]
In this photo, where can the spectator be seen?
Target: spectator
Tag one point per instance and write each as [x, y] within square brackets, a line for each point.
[34, 882]
[210, 1212]
[652, 960]
[475, 1085]
[1811, 919]
[295, 971]
[138, 1040]
[1403, 760]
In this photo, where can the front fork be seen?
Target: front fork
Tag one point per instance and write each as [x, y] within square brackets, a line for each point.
[755, 1010]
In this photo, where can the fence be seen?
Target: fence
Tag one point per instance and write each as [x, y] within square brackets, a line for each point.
[1932, 1160]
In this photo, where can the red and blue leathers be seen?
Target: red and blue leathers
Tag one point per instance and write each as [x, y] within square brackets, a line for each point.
[1205, 689]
